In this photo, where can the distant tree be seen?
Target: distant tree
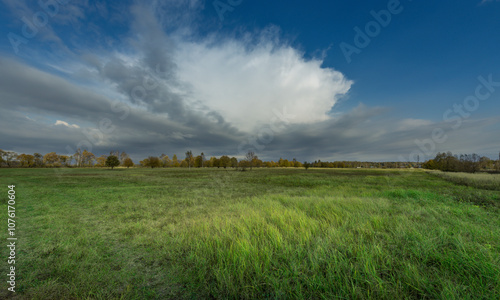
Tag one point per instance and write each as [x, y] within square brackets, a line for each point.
[234, 162]
[123, 157]
[145, 162]
[283, 163]
[475, 163]
[485, 163]
[175, 161]
[189, 158]
[211, 162]
[128, 162]
[1, 157]
[216, 162]
[203, 159]
[166, 161]
[154, 162]
[78, 157]
[244, 164]
[198, 162]
[21, 159]
[9, 157]
[430, 165]
[256, 162]
[26, 160]
[69, 160]
[65, 160]
[51, 159]
[112, 161]
[225, 161]
[38, 160]
[250, 156]
[88, 158]
[297, 164]
[286, 163]
[101, 161]
[448, 162]
[306, 165]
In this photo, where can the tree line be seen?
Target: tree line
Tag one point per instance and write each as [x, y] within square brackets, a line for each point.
[78, 159]
[84, 158]
[470, 163]
[201, 161]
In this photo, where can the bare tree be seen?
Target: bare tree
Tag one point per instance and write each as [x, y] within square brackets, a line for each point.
[250, 156]
[123, 157]
[203, 159]
[9, 157]
[189, 158]
[78, 157]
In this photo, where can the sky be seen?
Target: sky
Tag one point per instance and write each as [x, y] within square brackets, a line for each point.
[318, 80]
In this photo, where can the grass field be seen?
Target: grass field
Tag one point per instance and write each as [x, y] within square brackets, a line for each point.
[265, 233]
[478, 180]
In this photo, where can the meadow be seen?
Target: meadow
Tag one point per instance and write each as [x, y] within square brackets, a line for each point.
[479, 180]
[260, 234]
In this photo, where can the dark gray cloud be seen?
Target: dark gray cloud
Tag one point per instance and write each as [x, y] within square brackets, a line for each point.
[29, 93]
[375, 134]
[32, 101]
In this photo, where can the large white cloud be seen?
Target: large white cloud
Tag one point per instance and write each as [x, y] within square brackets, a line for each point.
[246, 83]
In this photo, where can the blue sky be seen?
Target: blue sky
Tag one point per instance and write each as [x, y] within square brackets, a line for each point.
[225, 77]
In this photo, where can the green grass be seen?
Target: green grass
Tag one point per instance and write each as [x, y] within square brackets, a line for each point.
[479, 180]
[265, 233]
